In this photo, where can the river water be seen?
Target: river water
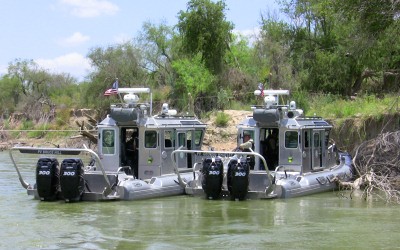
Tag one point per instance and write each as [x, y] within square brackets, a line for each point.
[325, 221]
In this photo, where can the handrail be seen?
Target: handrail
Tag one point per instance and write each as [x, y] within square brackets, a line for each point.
[58, 151]
[24, 184]
[227, 153]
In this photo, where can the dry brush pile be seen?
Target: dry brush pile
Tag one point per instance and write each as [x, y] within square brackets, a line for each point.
[377, 166]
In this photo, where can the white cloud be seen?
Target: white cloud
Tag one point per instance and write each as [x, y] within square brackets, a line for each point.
[75, 39]
[74, 63]
[90, 8]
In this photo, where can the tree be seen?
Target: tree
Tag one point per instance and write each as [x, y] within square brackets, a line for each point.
[372, 43]
[204, 30]
[193, 84]
[30, 75]
[123, 61]
[240, 74]
[158, 47]
[340, 46]
[9, 94]
[272, 54]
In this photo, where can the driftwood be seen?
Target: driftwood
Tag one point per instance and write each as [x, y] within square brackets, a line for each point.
[377, 166]
[88, 130]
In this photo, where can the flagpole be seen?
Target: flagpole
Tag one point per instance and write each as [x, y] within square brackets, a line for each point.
[116, 86]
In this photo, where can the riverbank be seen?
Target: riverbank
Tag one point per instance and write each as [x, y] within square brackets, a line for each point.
[348, 133]
[219, 138]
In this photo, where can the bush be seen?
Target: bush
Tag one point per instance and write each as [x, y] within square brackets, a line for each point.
[62, 117]
[222, 99]
[222, 119]
[26, 125]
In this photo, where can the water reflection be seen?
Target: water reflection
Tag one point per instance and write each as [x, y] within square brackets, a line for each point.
[320, 221]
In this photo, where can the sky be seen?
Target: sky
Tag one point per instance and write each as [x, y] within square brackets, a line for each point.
[59, 34]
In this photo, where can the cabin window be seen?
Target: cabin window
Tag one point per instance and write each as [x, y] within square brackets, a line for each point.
[291, 139]
[198, 135]
[108, 137]
[189, 139]
[327, 137]
[181, 139]
[168, 139]
[307, 139]
[317, 140]
[150, 139]
[249, 132]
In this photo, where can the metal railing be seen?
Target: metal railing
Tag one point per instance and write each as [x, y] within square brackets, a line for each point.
[58, 151]
[226, 154]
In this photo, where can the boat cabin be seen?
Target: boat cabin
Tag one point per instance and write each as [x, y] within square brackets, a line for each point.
[141, 143]
[287, 139]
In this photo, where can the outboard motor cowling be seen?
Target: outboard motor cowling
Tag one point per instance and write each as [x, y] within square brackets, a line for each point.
[47, 178]
[71, 179]
[238, 178]
[213, 174]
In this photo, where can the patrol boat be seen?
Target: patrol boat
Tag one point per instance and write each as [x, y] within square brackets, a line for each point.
[291, 155]
[133, 159]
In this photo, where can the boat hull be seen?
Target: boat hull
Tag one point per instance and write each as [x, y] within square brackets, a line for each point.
[162, 186]
[285, 184]
[290, 185]
[125, 187]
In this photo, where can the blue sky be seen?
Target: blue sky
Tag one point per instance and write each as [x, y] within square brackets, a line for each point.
[58, 34]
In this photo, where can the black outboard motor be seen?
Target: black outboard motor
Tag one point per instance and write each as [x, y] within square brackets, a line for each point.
[238, 178]
[47, 178]
[213, 174]
[71, 179]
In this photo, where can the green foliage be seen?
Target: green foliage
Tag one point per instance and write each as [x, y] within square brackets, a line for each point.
[222, 99]
[222, 119]
[204, 30]
[372, 16]
[65, 92]
[192, 77]
[160, 96]
[32, 78]
[159, 45]
[62, 117]
[9, 94]
[324, 51]
[331, 106]
[26, 125]
[241, 55]
[122, 62]
[238, 105]
[39, 133]
[5, 124]
[333, 46]
[302, 99]
[272, 54]
[327, 73]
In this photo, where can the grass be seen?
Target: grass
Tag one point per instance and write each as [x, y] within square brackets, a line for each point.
[222, 119]
[28, 129]
[332, 106]
[362, 107]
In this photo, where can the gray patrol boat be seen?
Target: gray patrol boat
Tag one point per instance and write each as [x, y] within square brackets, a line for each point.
[133, 159]
[290, 155]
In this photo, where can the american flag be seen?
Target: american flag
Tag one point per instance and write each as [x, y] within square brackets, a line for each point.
[113, 90]
[261, 88]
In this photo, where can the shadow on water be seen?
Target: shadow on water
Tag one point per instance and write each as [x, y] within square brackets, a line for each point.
[326, 221]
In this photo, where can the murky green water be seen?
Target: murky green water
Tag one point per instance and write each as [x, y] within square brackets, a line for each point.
[323, 221]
